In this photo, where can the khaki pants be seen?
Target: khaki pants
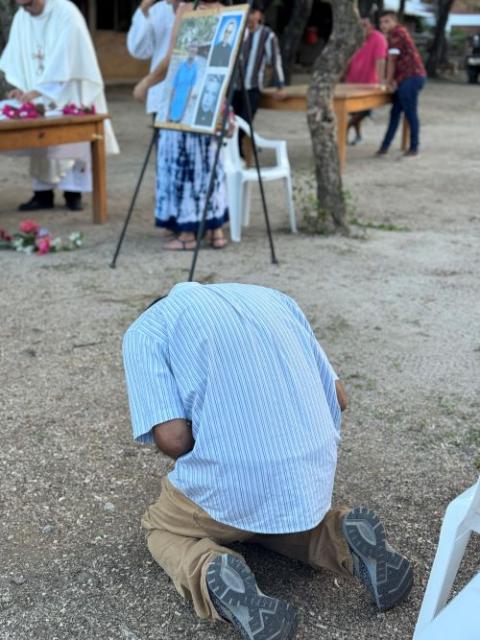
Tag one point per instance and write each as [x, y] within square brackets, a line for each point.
[184, 539]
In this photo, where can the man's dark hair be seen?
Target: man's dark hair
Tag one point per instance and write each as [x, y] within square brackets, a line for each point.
[388, 12]
[257, 5]
[155, 302]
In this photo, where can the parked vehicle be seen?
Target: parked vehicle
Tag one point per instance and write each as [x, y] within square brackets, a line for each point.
[472, 61]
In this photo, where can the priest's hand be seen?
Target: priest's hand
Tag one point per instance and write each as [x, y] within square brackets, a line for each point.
[29, 96]
[15, 94]
[141, 89]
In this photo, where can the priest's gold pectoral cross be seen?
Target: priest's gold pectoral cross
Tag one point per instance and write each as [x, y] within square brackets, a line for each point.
[39, 57]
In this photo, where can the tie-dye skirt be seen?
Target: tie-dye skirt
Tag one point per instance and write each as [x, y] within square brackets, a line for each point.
[184, 164]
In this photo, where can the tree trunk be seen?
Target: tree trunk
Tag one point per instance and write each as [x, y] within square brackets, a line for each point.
[7, 10]
[347, 35]
[292, 36]
[439, 42]
[401, 10]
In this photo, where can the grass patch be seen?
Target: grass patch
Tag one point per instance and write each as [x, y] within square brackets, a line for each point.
[473, 437]
[337, 325]
[449, 406]
[379, 226]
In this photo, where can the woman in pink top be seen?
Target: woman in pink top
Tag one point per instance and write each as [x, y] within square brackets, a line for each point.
[367, 66]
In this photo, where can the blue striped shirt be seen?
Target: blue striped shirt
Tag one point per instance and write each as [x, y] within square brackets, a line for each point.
[242, 363]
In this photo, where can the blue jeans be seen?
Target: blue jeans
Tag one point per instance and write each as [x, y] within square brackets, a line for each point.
[405, 99]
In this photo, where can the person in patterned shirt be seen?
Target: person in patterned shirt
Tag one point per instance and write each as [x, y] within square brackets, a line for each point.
[406, 77]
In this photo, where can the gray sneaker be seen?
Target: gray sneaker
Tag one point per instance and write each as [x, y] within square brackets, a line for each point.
[386, 573]
[235, 595]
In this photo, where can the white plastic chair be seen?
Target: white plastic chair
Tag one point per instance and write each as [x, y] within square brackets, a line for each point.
[239, 178]
[460, 618]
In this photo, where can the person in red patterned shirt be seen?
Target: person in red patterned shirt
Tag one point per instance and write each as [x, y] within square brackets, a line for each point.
[406, 76]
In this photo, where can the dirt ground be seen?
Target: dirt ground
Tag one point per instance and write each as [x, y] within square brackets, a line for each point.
[397, 311]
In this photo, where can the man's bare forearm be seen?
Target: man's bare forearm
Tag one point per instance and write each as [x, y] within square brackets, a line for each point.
[392, 61]
[341, 395]
[174, 438]
[381, 68]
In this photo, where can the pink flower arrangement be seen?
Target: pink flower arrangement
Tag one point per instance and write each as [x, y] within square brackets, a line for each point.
[72, 110]
[43, 244]
[4, 236]
[27, 111]
[31, 238]
[29, 226]
[30, 111]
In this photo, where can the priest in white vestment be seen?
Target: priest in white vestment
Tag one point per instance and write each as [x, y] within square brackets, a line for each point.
[50, 58]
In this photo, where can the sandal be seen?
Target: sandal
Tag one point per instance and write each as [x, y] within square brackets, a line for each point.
[217, 242]
[181, 245]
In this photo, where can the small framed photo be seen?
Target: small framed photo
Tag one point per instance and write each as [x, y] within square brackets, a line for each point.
[208, 103]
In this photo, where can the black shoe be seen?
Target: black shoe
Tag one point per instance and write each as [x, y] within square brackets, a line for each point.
[73, 200]
[39, 200]
[235, 595]
[386, 573]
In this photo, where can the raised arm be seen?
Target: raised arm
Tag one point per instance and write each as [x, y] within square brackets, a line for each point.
[141, 35]
[159, 73]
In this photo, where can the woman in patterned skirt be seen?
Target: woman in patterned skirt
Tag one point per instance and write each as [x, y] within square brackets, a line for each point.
[184, 166]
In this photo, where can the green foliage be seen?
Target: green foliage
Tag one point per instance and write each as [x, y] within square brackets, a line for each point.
[349, 202]
[366, 224]
[314, 218]
[473, 436]
[197, 31]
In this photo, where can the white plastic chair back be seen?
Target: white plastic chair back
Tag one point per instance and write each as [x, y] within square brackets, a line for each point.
[239, 178]
[460, 619]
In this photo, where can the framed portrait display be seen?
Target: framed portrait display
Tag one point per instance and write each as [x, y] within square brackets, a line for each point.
[201, 66]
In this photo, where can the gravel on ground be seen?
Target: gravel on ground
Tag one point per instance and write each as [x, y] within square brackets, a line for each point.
[396, 307]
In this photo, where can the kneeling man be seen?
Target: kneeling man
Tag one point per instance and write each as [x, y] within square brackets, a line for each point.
[230, 380]
[50, 57]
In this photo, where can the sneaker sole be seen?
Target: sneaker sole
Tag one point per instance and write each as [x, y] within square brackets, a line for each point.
[391, 573]
[235, 595]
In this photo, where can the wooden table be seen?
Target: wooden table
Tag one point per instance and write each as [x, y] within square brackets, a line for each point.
[349, 98]
[46, 132]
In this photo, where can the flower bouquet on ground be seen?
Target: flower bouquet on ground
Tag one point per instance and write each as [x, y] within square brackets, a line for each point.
[31, 238]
